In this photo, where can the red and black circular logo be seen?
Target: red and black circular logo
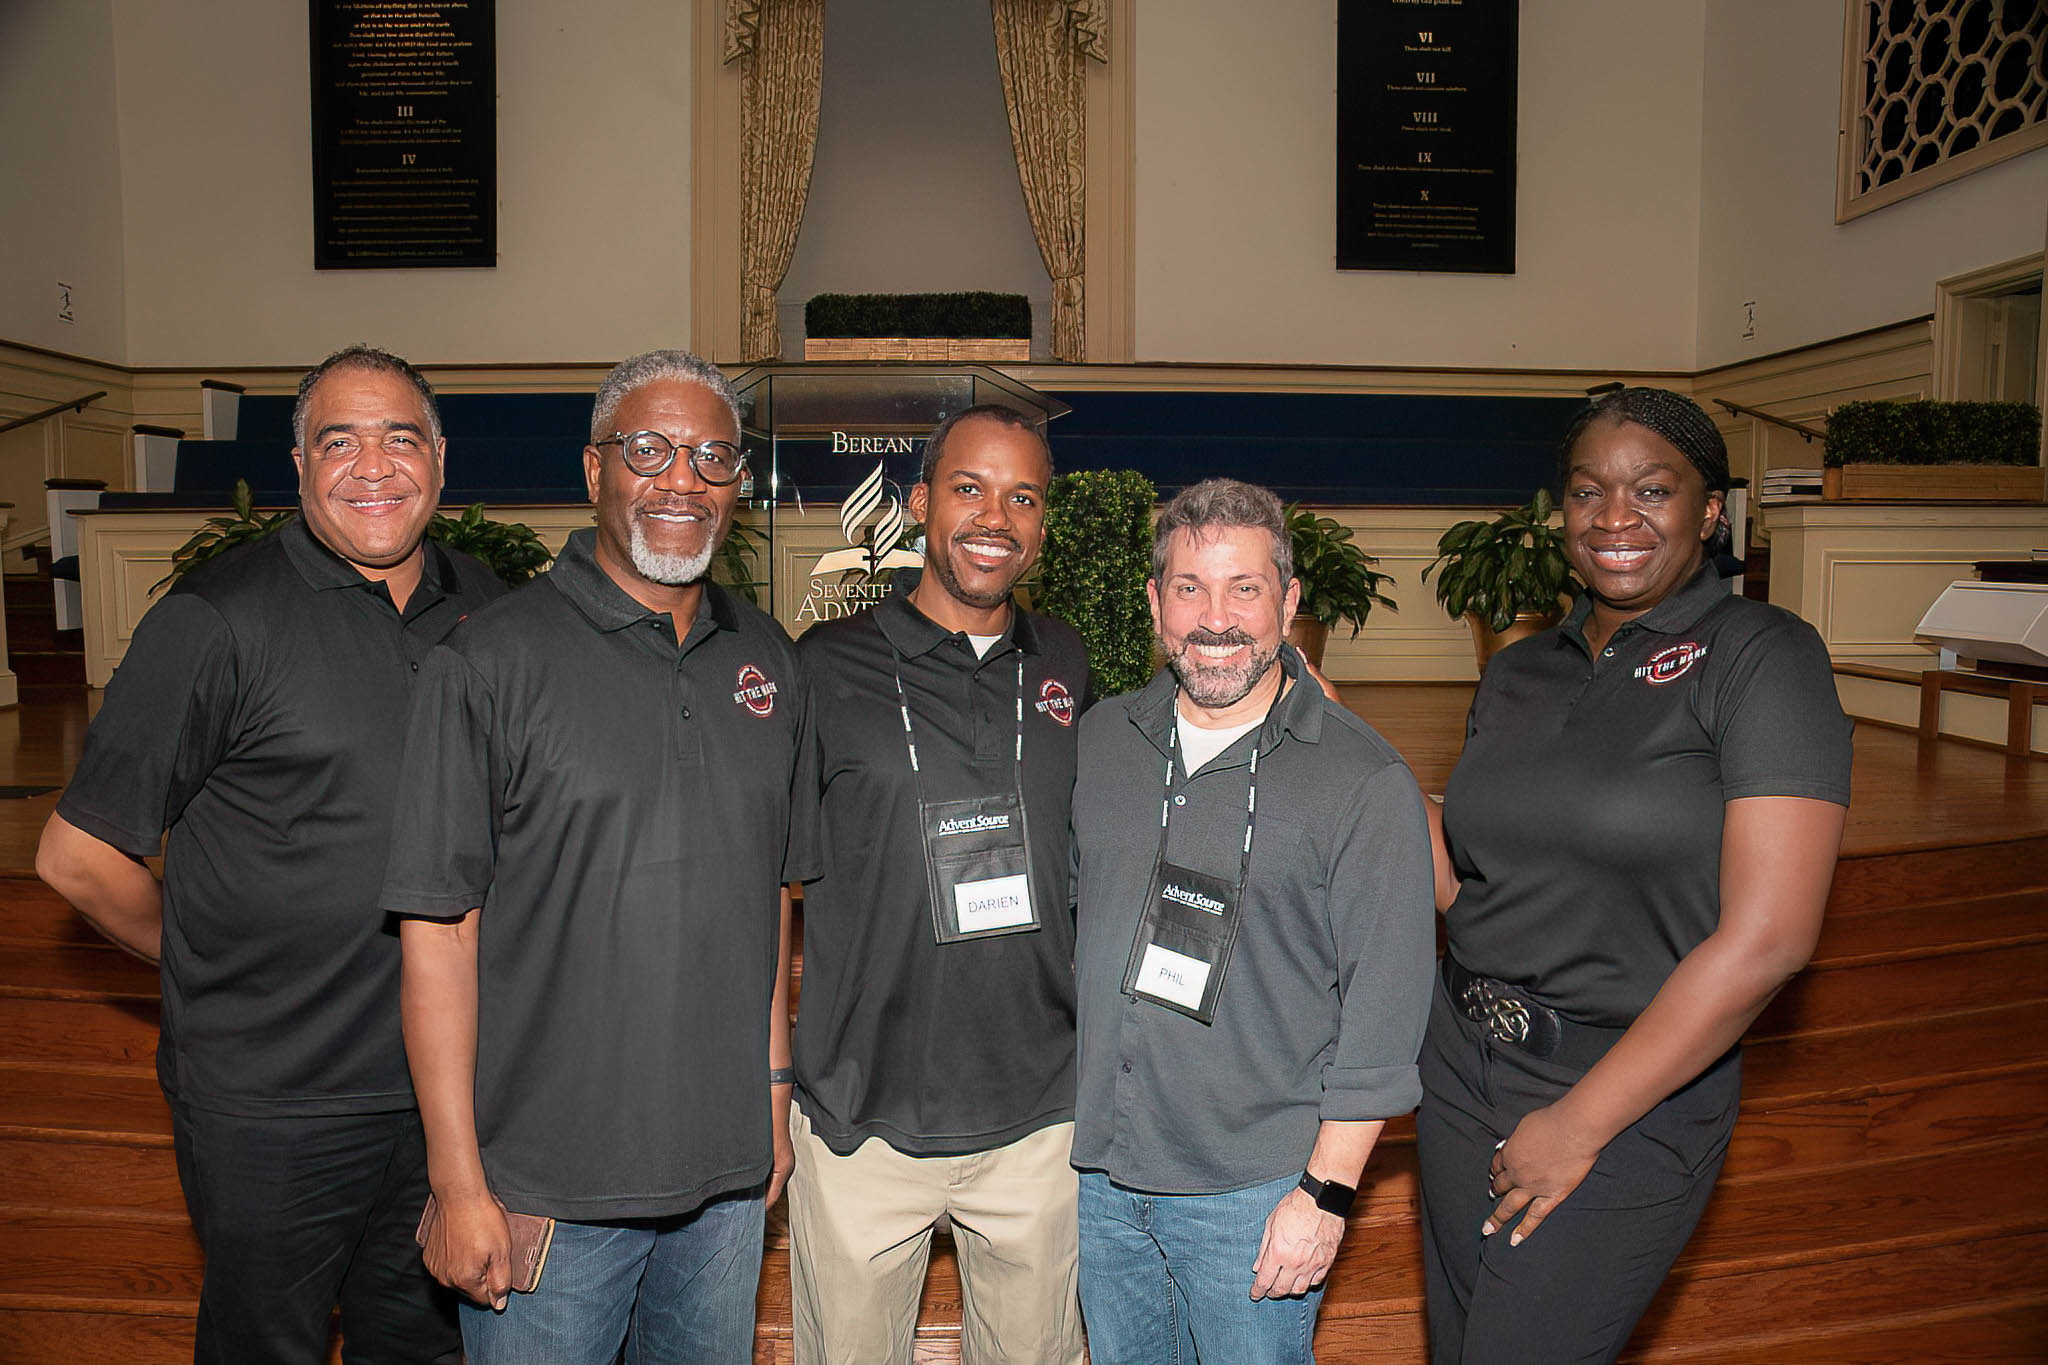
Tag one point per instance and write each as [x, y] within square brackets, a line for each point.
[1669, 665]
[756, 692]
[1054, 700]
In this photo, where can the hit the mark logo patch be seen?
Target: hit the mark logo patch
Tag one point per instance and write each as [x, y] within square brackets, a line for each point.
[1054, 700]
[1669, 665]
[756, 692]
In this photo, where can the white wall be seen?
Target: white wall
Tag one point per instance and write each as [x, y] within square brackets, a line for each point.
[60, 188]
[1236, 150]
[914, 188]
[1768, 230]
[593, 182]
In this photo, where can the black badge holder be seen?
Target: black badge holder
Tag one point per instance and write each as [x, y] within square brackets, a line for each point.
[978, 867]
[1189, 926]
[977, 854]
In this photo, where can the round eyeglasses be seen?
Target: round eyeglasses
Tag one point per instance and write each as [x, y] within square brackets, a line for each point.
[648, 453]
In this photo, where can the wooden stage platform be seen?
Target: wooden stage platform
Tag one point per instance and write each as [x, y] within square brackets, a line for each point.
[1885, 1200]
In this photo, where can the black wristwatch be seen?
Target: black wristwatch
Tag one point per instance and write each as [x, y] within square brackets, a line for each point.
[1330, 1197]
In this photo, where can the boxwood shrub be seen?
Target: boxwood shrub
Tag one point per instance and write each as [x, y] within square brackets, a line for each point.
[1930, 431]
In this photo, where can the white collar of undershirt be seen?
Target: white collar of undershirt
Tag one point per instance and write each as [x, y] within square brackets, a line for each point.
[1198, 746]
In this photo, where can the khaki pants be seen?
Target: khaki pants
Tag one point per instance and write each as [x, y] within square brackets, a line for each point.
[861, 1232]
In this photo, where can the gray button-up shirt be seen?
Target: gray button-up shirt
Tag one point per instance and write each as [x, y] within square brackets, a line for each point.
[1322, 1008]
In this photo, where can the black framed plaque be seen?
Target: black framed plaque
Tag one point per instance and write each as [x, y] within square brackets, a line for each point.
[405, 137]
[1426, 135]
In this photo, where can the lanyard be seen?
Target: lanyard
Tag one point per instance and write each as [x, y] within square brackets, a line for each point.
[910, 734]
[1251, 795]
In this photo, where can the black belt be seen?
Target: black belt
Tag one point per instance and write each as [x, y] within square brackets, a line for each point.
[1510, 1017]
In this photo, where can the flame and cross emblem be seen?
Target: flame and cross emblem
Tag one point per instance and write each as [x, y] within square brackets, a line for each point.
[872, 518]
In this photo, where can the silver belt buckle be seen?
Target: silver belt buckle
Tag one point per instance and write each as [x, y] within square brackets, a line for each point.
[1505, 1018]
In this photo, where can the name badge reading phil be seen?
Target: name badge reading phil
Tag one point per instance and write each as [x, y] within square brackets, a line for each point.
[1182, 948]
[978, 868]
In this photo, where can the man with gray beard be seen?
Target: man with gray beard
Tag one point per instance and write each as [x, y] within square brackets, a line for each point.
[1252, 960]
[608, 780]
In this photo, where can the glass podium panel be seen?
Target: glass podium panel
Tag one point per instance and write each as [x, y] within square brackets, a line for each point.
[835, 450]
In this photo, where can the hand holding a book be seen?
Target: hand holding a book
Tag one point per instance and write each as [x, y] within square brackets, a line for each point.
[469, 1248]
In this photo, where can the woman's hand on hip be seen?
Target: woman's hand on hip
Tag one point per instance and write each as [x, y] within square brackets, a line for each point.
[1535, 1170]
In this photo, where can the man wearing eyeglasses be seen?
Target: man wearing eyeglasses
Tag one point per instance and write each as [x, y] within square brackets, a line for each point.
[598, 811]
[258, 720]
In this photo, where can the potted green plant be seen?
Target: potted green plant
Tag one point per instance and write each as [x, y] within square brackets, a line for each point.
[1926, 449]
[738, 565]
[221, 534]
[510, 549]
[1338, 581]
[1506, 577]
[1092, 572]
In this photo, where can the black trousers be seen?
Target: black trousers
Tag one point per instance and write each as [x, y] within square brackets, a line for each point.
[1572, 1291]
[297, 1212]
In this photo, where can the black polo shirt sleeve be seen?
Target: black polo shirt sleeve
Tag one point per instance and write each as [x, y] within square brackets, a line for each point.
[449, 802]
[803, 855]
[1776, 721]
[1380, 883]
[167, 720]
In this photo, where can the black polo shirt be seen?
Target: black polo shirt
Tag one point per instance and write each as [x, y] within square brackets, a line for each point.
[1585, 816]
[258, 716]
[938, 1050]
[625, 810]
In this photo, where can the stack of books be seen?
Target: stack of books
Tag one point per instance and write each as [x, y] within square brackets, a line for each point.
[1789, 485]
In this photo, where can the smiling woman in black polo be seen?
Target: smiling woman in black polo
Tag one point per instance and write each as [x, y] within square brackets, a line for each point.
[1637, 845]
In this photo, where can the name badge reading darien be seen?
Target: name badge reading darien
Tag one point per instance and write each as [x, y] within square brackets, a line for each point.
[978, 868]
[1183, 944]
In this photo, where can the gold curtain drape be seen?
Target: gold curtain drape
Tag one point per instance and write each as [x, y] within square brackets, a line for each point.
[781, 44]
[1040, 47]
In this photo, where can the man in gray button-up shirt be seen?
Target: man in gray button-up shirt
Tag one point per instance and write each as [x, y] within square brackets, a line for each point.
[1235, 1076]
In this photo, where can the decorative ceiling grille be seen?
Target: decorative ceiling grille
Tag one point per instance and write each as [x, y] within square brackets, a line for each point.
[1936, 88]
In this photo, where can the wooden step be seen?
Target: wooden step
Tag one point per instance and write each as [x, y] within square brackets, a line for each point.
[1909, 930]
[1905, 988]
[1930, 876]
[41, 1336]
[1994, 1334]
[98, 1177]
[111, 1033]
[84, 1105]
[73, 1255]
[1889, 1058]
[1378, 1338]
[1987, 1190]
[1743, 1317]
[41, 667]
[1818, 1139]
[76, 971]
[32, 912]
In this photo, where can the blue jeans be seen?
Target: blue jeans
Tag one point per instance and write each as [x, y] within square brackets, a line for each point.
[1167, 1278]
[675, 1289]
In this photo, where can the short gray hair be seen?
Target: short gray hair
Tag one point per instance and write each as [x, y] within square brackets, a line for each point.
[366, 358]
[1215, 503]
[649, 366]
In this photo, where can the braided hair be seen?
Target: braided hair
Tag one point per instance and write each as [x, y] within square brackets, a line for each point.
[1676, 419]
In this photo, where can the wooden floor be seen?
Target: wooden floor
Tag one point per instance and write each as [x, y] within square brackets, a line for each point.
[1885, 1199]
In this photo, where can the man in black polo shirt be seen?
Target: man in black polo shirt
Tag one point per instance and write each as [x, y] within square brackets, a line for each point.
[935, 1049]
[258, 717]
[608, 779]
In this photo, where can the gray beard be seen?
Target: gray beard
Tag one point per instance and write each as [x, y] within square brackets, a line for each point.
[1214, 688]
[669, 570]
